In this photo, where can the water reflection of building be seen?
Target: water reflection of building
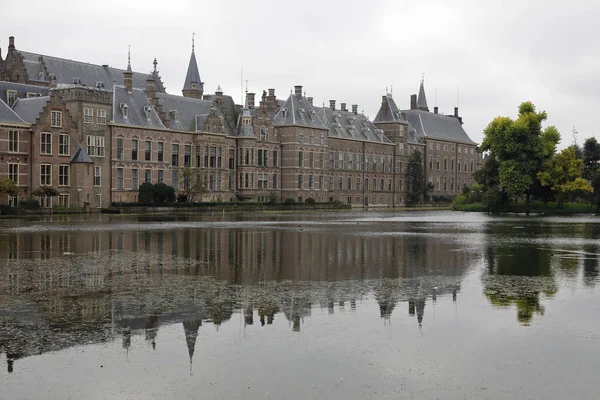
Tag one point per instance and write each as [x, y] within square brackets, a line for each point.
[88, 287]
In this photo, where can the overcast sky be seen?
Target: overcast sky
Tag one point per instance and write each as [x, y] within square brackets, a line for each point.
[497, 54]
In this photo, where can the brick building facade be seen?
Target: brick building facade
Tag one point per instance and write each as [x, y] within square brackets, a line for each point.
[96, 133]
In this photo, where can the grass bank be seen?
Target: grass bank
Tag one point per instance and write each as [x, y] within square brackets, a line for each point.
[534, 208]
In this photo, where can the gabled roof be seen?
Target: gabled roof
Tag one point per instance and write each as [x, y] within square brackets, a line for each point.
[29, 109]
[389, 112]
[139, 110]
[42, 68]
[191, 113]
[298, 111]
[228, 108]
[346, 124]
[81, 156]
[421, 99]
[21, 89]
[8, 116]
[192, 76]
[437, 126]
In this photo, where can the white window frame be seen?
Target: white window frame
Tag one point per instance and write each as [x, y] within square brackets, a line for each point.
[61, 145]
[61, 200]
[13, 175]
[56, 119]
[48, 175]
[91, 145]
[88, 115]
[101, 117]
[64, 177]
[47, 145]
[13, 141]
[97, 176]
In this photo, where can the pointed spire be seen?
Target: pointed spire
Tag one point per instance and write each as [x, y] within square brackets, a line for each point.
[155, 63]
[421, 99]
[190, 328]
[193, 86]
[129, 59]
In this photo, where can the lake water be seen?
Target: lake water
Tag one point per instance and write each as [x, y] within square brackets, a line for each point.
[351, 305]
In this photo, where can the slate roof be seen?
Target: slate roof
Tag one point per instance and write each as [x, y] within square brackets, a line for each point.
[421, 99]
[391, 113]
[21, 89]
[192, 113]
[229, 109]
[8, 116]
[41, 68]
[298, 111]
[437, 126]
[192, 76]
[81, 156]
[29, 109]
[345, 124]
[139, 110]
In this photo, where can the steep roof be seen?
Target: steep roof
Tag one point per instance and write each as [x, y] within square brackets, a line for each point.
[192, 113]
[81, 156]
[437, 126]
[29, 109]
[246, 130]
[421, 99]
[296, 110]
[192, 76]
[345, 124]
[389, 112]
[21, 89]
[228, 108]
[139, 110]
[8, 116]
[42, 68]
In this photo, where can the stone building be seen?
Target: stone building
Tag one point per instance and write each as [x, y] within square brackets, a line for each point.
[14, 152]
[96, 133]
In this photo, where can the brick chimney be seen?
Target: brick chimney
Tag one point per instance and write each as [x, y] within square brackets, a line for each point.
[150, 88]
[355, 109]
[332, 104]
[298, 90]
[343, 106]
[456, 112]
[250, 100]
[413, 101]
[435, 110]
[310, 100]
[11, 43]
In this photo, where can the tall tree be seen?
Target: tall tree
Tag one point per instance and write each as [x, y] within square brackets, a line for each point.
[591, 168]
[563, 174]
[193, 183]
[521, 147]
[8, 186]
[415, 178]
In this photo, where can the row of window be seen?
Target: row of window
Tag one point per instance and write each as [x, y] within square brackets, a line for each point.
[311, 137]
[352, 161]
[64, 200]
[88, 116]
[63, 175]
[12, 95]
[452, 148]
[212, 181]
[458, 165]
[309, 182]
[441, 183]
[64, 141]
[246, 156]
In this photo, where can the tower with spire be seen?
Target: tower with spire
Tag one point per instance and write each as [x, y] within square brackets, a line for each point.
[193, 86]
[421, 99]
[128, 74]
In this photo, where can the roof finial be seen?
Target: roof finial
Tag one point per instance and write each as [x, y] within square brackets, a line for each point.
[129, 59]
[422, 78]
[155, 63]
[246, 86]
[193, 41]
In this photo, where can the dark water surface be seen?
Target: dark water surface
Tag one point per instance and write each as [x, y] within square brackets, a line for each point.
[300, 306]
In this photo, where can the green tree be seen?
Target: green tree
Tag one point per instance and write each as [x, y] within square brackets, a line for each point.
[415, 179]
[562, 174]
[163, 192]
[193, 183]
[8, 186]
[45, 191]
[591, 168]
[521, 147]
[146, 193]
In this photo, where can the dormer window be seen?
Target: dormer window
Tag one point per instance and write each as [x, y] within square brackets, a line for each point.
[301, 112]
[193, 85]
[311, 114]
[148, 112]
[124, 110]
[336, 117]
[174, 115]
[284, 111]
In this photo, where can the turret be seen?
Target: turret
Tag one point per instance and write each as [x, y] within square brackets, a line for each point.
[193, 86]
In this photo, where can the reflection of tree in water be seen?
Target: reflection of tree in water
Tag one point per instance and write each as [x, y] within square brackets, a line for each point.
[516, 276]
